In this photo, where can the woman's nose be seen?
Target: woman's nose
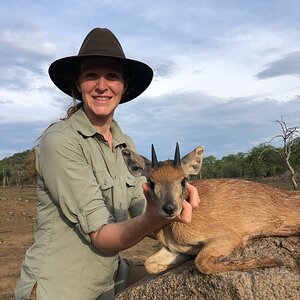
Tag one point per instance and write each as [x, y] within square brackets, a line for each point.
[101, 83]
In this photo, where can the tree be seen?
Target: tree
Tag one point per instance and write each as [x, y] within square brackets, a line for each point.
[232, 166]
[255, 163]
[295, 156]
[18, 169]
[289, 137]
[209, 169]
[5, 176]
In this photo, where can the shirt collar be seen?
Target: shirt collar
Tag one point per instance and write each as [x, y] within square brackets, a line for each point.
[83, 125]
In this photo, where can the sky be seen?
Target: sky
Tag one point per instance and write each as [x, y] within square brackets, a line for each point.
[224, 71]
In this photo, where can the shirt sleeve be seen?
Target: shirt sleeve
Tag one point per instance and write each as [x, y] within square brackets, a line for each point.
[71, 182]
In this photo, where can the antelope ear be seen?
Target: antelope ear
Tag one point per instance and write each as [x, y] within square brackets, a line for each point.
[191, 163]
[137, 165]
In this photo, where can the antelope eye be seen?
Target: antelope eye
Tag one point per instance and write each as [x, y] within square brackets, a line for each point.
[135, 167]
[151, 184]
[183, 182]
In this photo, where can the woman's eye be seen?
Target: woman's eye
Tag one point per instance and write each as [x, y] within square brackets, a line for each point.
[90, 75]
[112, 76]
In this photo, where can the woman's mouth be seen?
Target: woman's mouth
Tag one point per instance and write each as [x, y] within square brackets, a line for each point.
[101, 98]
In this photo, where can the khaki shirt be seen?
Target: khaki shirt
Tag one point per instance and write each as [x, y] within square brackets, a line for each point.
[82, 185]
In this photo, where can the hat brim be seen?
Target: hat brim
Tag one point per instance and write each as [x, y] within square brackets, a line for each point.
[61, 71]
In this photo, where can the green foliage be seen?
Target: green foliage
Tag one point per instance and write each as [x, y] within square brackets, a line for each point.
[232, 166]
[13, 171]
[209, 167]
[228, 167]
[264, 161]
[295, 156]
[260, 162]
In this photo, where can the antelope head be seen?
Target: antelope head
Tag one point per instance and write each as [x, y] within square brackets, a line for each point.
[166, 179]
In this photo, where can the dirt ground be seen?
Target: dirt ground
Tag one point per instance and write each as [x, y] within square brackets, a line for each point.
[17, 221]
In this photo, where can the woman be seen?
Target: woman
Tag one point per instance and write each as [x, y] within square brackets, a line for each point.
[84, 189]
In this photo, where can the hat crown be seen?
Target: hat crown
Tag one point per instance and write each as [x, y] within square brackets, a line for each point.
[101, 41]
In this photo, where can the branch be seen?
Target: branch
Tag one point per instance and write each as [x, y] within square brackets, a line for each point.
[270, 148]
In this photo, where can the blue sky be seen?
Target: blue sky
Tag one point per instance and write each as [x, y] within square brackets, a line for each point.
[224, 70]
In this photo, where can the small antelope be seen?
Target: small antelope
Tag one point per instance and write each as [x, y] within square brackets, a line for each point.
[231, 212]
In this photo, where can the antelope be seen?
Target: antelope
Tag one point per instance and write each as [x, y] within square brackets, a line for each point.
[230, 214]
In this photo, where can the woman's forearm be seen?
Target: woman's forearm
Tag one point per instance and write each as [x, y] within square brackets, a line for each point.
[112, 238]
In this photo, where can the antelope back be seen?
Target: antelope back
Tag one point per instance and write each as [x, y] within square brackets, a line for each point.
[166, 179]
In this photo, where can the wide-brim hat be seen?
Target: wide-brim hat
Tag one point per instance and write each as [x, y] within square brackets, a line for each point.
[100, 42]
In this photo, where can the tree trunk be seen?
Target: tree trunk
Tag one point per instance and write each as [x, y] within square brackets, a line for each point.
[295, 185]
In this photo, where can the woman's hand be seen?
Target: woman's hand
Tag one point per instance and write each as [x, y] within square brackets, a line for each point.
[194, 198]
[188, 206]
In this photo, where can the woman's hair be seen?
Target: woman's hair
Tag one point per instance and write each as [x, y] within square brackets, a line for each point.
[72, 109]
[73, 77]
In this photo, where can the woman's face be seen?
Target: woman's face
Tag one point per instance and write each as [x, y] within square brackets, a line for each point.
[101, 83]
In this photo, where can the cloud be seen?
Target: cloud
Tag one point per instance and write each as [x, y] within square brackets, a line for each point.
[19, 136]
[203, 53]
[287, 65]
[163, 68]
[24, 55]
[3, 101]
[24, 48]
[223, 126]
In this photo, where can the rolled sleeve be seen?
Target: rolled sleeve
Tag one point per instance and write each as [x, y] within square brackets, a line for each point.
[72, 183]
[91, 222]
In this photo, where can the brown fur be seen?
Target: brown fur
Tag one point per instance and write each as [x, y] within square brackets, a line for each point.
[231, 213]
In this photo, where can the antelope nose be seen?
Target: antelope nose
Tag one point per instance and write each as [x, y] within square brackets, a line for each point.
[169, 208]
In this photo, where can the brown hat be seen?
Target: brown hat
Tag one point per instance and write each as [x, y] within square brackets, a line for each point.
[101, 42]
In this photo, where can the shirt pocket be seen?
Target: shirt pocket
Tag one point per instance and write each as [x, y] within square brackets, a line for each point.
[132, 187]
[104, 179]
[106, 184]
[131, 181]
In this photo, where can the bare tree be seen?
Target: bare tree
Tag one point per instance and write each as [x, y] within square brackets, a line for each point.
[289, 135]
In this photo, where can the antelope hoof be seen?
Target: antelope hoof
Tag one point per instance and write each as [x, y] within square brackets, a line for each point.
[154, 268]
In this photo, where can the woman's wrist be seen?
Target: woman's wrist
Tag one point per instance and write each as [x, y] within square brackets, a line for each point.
[153, 222]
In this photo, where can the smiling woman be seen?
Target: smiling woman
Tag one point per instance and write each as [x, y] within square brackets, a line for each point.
[84, 189]
[102, 85]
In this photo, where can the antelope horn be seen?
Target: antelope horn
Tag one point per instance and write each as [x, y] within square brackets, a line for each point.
[154, 157]
[177, 161]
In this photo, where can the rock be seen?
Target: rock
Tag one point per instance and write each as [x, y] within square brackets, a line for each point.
[185, 282]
